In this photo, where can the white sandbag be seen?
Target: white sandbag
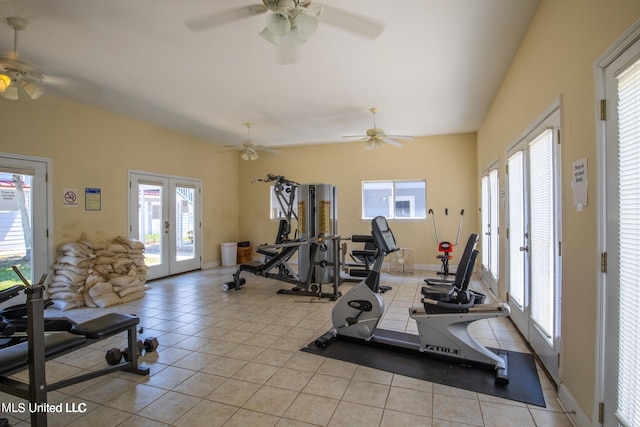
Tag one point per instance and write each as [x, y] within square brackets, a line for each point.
[87, 300]
[72, 260]
[129, 290]
[104, 260]
[72, 276]
[132, 296]
[104, 252]
[133, 244]
[74, 268]
[116, 248]
[122, 281]
[95, 244]
[100, 289]
[75, 249]
[107, 300]
[66, 305]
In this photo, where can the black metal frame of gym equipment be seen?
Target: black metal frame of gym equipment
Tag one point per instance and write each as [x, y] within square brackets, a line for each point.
[304, 287]
[41, 348]
[277, 254]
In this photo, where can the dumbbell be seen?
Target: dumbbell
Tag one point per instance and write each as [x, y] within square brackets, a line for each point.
[7, 329]
[115, 355]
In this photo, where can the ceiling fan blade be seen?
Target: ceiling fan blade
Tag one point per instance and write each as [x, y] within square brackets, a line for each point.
[356, 136]
[213, 20]
[392, 142]
[352, 22]
[78, 86]
[399, 136]
[266, 149]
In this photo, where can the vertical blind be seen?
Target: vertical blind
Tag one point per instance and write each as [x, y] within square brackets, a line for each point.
[493, 242]
[541, 240]
[628, 409]
[516, 208]
[485, 221]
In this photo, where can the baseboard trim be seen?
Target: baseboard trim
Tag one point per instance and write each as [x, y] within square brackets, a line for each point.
[574, 412]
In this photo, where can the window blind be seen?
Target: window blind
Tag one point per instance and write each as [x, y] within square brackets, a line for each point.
[541, 240]
[628, 409]
[485, 220]
[515, 180]
[493, 220]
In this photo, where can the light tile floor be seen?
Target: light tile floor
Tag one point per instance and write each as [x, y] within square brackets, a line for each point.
[234, 359]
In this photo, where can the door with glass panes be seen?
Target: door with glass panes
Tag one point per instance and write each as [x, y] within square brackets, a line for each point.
[620, 233]
[489, 266]
[165, 216]
[533, 238]
[24, 218]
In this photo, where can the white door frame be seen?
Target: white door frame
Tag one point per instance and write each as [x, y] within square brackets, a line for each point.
[171, 264]
[42, 232]
[605, 391]
[546, 348]
[491, 241]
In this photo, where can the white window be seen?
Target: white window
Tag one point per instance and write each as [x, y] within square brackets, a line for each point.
[394, 199]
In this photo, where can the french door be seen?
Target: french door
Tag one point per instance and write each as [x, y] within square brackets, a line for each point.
[619, 224]
[165, 216]
[25, 215]
[533, 238]
[490, 229]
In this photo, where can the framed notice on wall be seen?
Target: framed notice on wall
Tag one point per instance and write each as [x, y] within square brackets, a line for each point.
[92, 199]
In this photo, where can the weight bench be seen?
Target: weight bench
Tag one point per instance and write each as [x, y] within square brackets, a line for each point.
[33, 353]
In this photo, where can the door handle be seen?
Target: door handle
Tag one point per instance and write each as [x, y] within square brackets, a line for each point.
[166, 226]
[524, 248]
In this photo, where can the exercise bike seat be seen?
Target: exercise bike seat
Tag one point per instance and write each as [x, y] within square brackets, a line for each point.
[438, 292]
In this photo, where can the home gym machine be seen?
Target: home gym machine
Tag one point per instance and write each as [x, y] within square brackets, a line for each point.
[445, 247]
[442, 323]
[316, 242]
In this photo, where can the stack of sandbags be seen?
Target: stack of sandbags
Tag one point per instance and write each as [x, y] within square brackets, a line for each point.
[116, 274]
[73, 264]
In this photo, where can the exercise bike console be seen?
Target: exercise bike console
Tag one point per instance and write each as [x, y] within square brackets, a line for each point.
[442, 325]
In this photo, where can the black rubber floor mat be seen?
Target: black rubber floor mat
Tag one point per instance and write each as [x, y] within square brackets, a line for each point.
[524, 384]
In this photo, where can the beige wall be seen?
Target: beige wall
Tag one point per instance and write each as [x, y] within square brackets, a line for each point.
[448, 163]
[555, 59]
[93, 148]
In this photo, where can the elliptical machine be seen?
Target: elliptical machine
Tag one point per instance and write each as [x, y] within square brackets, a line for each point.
[442, 323]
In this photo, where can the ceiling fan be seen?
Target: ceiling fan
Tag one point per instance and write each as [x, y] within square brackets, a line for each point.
[17, 73]
[292, 22]
[375, 137]
[250, 149]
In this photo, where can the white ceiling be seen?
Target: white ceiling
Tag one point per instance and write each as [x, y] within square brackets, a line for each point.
[434, 69]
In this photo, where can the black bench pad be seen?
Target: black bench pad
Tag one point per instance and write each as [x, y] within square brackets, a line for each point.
[104, 326]
[252, 266]
[17, 356]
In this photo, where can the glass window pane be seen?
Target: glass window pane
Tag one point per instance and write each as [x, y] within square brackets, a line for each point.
[185, 248]
[376, 199]
[150, 222]
[516, 228]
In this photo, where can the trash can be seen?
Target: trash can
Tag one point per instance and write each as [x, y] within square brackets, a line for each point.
[229, 253]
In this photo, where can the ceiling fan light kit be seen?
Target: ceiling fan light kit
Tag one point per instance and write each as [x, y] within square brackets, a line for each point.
[290, 23]
[376, 137]
[250, 149]
[16, 72]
